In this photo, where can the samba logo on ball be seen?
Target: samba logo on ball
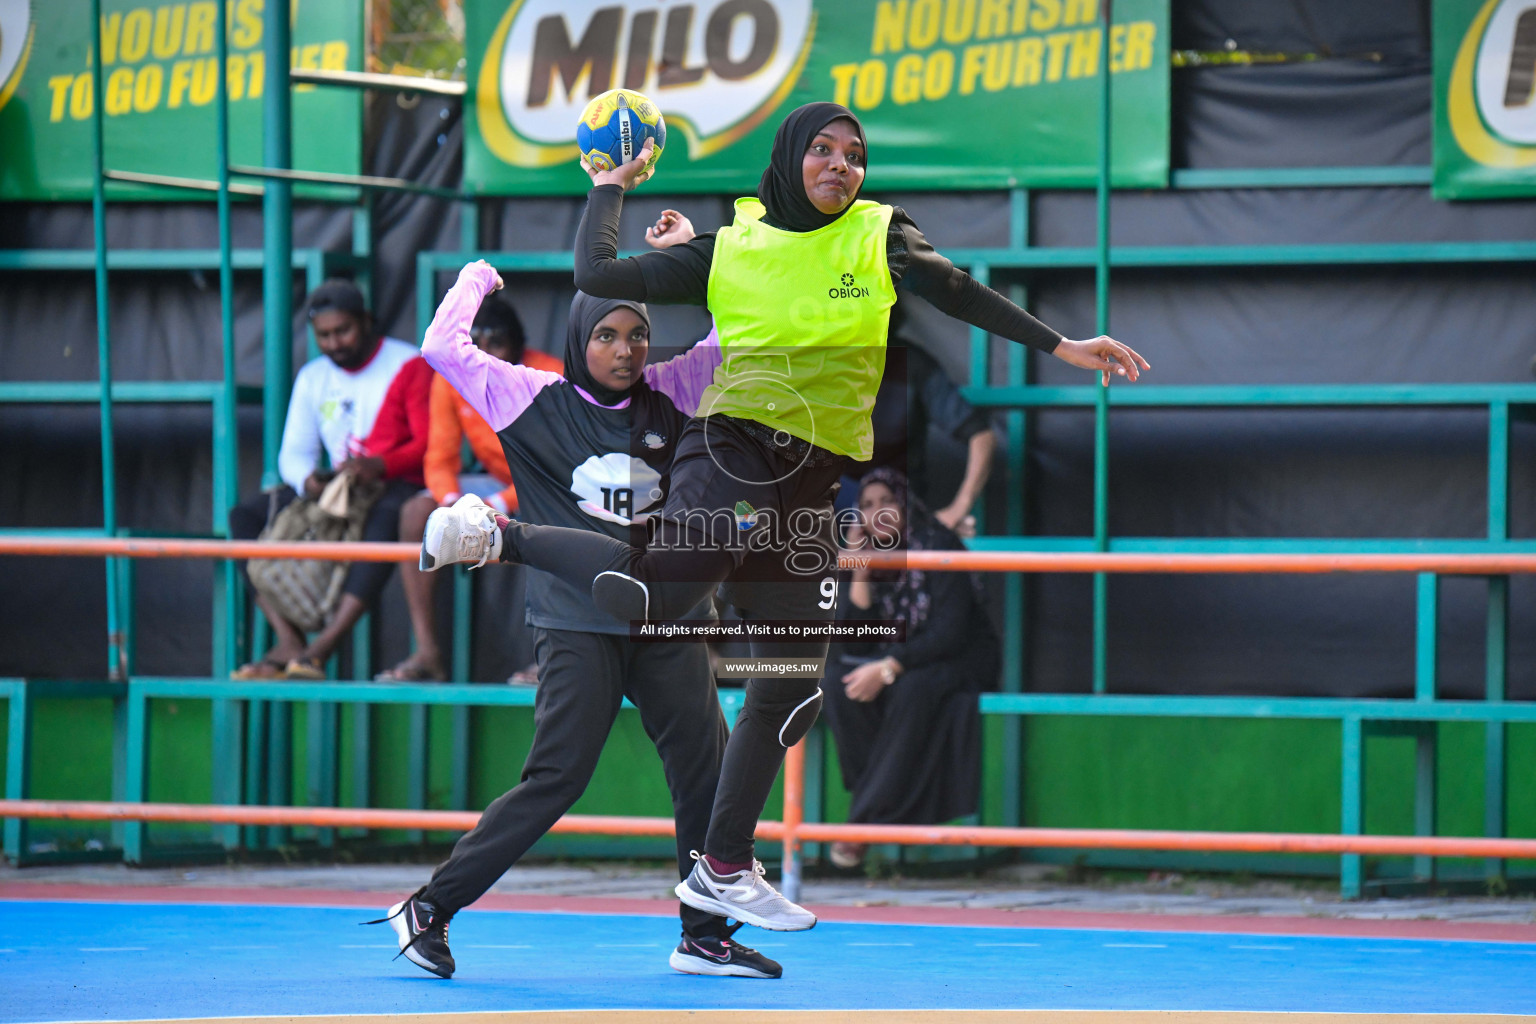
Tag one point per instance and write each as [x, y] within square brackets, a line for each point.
[614, 127]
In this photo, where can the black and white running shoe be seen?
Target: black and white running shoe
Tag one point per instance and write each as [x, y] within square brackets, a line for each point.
[722, 957]
[423, 932]
[742, 896]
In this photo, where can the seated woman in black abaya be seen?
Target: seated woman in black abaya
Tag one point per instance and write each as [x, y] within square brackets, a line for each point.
[905, 715]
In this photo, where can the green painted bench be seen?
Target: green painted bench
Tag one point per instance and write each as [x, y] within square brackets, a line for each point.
[237, 707]
[1358, 719]
[232, 702]
[19, 696]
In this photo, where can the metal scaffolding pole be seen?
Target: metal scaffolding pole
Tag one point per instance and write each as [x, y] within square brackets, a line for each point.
[1101, 398]
[117, 648]
[277, 237]
[229, 620]
[229, 486]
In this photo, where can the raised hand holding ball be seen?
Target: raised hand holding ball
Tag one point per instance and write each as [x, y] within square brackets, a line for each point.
[626, 176]
[617, 128]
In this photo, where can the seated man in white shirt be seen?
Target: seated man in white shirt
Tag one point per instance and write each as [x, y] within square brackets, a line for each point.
[336, 398]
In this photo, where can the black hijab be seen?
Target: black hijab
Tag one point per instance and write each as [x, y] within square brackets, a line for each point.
[587, 311]
[782, 186]
[904, 594]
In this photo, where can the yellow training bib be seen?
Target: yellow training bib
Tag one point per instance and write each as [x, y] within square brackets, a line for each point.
[802, 319]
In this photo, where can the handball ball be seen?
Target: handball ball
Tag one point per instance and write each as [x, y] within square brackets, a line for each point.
[615, 126]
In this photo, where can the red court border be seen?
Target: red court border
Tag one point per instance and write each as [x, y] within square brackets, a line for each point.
[954, 916]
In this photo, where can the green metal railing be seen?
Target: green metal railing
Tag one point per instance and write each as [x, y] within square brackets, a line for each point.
[1358, 719]
[277, 259]
[265, 739]
[1503, 402]
[322, 700]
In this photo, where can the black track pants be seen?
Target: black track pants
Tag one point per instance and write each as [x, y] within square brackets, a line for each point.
[583, 677]
[754, 755]
[678, 576]
[696, 548]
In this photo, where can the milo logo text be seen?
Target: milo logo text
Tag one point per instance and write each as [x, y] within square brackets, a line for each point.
[716, 68]
[15, 44]
[1491, 100]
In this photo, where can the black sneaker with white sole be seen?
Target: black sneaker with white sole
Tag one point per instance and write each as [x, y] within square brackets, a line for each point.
[423, 933]
[722, 957]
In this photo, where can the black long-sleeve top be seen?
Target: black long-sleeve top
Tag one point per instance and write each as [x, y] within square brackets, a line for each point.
[680, 274]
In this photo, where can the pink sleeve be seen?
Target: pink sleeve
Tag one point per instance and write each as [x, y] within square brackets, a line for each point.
[499, 391]
[684, 378]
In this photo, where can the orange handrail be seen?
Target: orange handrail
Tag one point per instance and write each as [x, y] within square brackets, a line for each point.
[331, 817]
[794, 829]
[1088, 561]
[171, 547]
[1165, 839]
[1072, 838]
[956, 561]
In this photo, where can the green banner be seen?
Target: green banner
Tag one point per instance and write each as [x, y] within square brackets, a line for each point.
[1485, 98]
[160, 77]
[954, 94]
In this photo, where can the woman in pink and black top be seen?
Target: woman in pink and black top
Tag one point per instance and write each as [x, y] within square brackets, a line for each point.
[592, 451]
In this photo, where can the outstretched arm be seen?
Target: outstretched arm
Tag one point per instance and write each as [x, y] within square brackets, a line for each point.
[498, 390]
[915, 263]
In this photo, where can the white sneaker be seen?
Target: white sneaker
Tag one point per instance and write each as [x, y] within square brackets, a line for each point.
[466, 531]
[744, 895]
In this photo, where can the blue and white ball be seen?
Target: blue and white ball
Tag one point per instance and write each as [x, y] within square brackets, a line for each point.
[614, 127]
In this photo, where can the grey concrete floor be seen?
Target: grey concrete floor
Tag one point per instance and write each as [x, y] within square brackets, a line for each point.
[1017, 887]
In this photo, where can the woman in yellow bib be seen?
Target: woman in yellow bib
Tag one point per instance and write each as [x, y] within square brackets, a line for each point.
[800, 286]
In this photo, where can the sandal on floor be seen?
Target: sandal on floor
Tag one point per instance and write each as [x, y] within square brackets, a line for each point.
[411, 671]
[305, 670]
[260, 669]
[847, 855]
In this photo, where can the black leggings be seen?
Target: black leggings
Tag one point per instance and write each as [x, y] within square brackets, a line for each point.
[680, 571]
[719, 468]
[583, 677]
[678, 581]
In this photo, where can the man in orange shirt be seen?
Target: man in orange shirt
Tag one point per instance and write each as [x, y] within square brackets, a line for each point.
[499, 333]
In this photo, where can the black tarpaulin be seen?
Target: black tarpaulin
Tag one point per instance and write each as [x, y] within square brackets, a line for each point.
[1321, 114]
[1326, 27]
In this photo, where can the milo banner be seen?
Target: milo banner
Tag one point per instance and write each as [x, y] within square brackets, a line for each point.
[160, 78]
[1485, 98]
[953, 94]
